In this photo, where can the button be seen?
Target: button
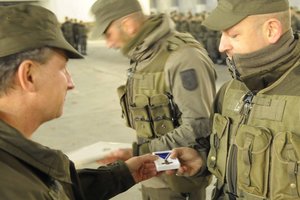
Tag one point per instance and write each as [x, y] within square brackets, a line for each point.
[213, 158]
[293, 185]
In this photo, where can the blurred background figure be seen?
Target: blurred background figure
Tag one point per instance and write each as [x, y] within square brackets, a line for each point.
[67, 29]
[82, 38]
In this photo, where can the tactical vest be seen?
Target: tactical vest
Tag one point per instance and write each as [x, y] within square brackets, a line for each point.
[147, 103]
[255, 144]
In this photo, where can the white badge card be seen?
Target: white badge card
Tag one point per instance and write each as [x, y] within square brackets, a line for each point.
[164, 162]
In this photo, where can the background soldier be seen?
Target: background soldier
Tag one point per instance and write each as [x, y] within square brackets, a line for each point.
[67, 29]
[295, 19]
[76, 33]
[82, 38]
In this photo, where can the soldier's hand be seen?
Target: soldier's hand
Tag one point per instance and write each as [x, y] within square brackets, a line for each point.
[190, 161]
[119, 154]
[142, 167]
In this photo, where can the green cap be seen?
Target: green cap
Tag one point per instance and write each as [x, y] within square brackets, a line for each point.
[230, 12]
[107, 11]
[24, 27]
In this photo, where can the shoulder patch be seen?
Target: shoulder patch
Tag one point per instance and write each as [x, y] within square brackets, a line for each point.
[189, 79]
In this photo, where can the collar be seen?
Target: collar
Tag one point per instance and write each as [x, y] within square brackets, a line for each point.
[144, 44]
[51, 162]
[260, 69]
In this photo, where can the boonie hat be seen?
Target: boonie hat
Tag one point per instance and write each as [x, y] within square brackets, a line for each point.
[107, 11]
[24, 27]
[230, 12]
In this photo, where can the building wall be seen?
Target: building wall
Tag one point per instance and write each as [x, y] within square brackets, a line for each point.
[184, 6]
[62, 8]
[195, 5]
[79, 10]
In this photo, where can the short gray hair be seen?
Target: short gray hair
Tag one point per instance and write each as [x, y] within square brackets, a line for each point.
[9, 65]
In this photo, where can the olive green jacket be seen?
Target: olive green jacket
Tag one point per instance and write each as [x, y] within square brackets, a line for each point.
[195, 104]
[34, 172]
[189, 76]
[255, 137]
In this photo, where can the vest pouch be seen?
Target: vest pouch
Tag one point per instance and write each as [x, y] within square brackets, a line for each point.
[140, 116]
[253, 158]
[160, 113]
[285, 168]
[217, 156]
[124, 104]
[182, 184]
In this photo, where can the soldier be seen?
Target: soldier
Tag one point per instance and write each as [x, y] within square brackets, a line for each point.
[193, 27]
[255, 138]
[211, 45]
[82, 38]
[169, 91]
[34, 83]
[177, 21]
[67, 29]
[184, 26]
[75, 29]
[295, 19]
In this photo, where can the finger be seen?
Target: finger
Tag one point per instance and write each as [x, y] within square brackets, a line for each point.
[148, 173]
[149, 158]
[174, 153]
[148, 167]
[180, 171]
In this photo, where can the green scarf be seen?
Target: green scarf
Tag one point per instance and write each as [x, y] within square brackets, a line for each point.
[260, 69]
[150, 25]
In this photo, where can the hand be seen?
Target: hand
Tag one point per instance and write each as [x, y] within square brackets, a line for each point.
[119, 154]
[142, 167]
[190, 161]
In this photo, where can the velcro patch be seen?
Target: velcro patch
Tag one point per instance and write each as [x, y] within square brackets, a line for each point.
[189, 79]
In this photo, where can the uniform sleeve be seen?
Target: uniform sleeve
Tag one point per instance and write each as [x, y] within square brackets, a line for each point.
[106, 181]
[191, 78]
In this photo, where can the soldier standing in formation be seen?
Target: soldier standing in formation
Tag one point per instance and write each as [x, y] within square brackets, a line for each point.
[67, 29]
[76, 34]
[295, 19]
[208, 38]
[82, 38]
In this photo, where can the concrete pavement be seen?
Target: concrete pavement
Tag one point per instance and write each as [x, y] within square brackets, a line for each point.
[92, 111]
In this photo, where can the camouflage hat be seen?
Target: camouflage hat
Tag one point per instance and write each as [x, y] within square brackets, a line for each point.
[24, 27]
[230, 12]
[107, 11]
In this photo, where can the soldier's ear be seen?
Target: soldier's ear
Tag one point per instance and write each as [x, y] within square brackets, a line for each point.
[25, 75]
[129, 25]
[273, 30]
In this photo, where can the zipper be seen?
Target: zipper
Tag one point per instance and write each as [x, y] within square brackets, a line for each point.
[232, 69]
[243, 108]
